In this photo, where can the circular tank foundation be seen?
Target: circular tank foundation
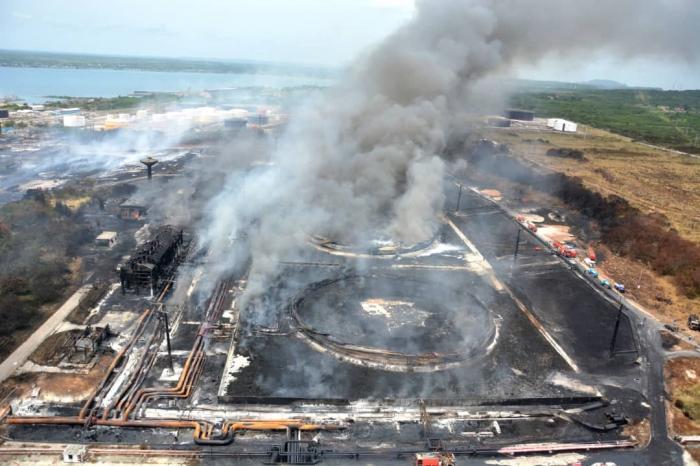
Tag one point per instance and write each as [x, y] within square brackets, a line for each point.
[379, 248]
[394, 323]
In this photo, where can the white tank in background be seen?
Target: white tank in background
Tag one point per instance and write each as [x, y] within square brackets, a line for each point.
[557, 124]
[73, 121]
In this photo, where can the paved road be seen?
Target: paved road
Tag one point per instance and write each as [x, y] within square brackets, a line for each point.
[17, 358]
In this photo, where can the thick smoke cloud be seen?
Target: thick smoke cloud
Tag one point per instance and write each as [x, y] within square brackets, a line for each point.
[364, 161]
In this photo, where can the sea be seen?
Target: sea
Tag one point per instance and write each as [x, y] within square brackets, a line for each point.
[34, 85]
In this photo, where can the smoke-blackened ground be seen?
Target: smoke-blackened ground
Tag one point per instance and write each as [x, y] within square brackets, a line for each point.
[403, 313]
[460, 307]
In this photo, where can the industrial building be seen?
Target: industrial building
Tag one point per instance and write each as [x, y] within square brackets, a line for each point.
[133, 209]
[106, 239]
[67, 111]
[154, 262]
[558, 124]
[522, 115]
[73, 121]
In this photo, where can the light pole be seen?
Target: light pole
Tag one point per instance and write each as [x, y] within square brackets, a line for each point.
[163, 316]
[517, 245]
[459, 198]
[617, 328]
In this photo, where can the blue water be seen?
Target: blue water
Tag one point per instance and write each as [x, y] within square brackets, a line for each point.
[34, 84]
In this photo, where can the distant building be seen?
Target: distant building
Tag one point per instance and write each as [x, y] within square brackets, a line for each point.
[259, 119]
[106, 239]
[235, 123]
[68, 111]
[522, 115]
[557, 124]
[132, 209]
[4, 114]
[73, 121]
[499, 122]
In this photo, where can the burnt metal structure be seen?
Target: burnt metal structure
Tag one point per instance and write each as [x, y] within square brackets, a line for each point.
[154, 262]
[295, 452]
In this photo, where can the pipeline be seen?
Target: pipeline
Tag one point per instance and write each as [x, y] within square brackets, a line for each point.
[136, 378]
[131, 401]
[202, 430]
[182, 390]
[193, 365]
[183, 382]
[145, 317]
[144, 320]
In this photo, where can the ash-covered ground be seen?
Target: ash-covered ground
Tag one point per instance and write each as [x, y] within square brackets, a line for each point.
[434, 302]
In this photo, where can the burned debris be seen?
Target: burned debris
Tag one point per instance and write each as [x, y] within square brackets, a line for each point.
[154, 263]
[567, 153]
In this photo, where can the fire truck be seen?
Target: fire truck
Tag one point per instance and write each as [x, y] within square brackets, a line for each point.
[565, 250]
[435, 459]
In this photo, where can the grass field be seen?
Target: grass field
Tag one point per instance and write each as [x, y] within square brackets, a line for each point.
[667, 118]
[650, 179]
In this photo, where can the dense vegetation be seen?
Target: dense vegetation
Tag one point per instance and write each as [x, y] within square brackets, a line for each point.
[20, 58]
[39, 237]
[627, 231]
[111, 103]
[688, 401]
[668, 118]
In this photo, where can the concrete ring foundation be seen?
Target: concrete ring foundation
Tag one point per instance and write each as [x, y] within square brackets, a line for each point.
[394, 323]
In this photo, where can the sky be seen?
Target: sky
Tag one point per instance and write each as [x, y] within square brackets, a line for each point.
[319, 32]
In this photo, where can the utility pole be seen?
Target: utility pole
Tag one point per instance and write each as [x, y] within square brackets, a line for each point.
[425, 419]
[164, 318]
[459, 198]
[517, 245]
[617, 328]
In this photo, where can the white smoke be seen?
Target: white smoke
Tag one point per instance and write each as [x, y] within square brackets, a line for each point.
[364, 161]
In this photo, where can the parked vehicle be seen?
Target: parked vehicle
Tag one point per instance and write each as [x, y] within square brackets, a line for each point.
[693, 322]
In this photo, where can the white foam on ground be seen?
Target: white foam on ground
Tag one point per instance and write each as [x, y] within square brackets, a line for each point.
[174, 376]
[237, 362]
[439, 248]
[397, 312]
[555, 460]
[572, 384]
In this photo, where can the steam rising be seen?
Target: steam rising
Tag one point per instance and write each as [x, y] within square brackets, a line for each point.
[364, 161]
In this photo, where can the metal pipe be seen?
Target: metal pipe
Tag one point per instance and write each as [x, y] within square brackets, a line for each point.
[117, 360]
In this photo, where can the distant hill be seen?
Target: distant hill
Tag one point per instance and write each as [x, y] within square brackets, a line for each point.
[605, 84]
[31, 59]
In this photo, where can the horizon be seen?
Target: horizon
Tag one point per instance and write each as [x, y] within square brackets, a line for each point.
[309, 66]
[309, 33]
